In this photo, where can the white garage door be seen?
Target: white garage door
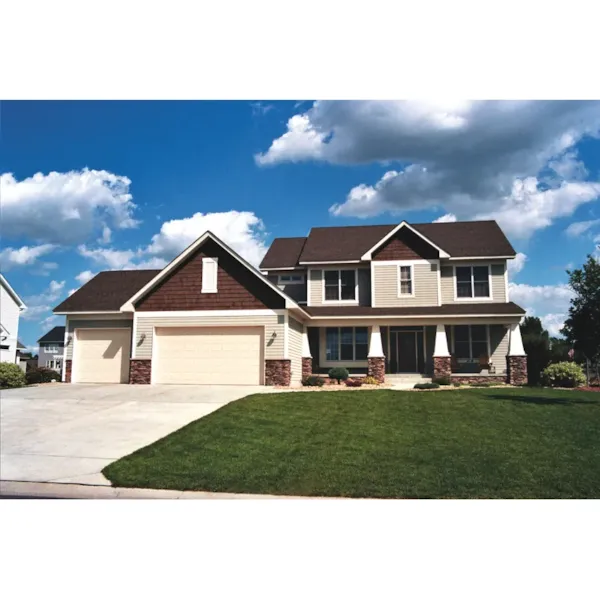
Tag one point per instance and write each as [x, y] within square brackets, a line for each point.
[208, 355]
[101, 355]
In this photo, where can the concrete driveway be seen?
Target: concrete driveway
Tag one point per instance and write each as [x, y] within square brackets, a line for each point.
[67, 433]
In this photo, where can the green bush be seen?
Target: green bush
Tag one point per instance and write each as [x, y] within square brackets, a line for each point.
[426, 386]
[353, 382]
[339, 373]
[11, 376]
[457, 384]
[563, 374]
[42, 375]
[442, 380]
[482, 384]
[368, 380]
[313, 381]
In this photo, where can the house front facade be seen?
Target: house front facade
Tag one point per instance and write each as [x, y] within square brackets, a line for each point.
[51, 349]
[426, 298]
[11, 307]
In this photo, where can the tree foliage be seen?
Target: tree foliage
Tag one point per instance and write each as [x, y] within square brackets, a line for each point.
[537, 347]
[582, 327]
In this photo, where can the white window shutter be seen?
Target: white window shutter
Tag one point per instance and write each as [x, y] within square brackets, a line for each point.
[209, 275]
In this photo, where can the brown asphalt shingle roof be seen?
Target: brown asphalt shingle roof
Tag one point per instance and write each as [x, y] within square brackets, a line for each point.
[481, 308]
[283, 252]
[326, 244]
[108, 290]
[56, 334]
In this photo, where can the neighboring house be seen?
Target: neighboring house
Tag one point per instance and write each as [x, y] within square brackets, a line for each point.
[381, 299]
[52, 346]
[11, 307]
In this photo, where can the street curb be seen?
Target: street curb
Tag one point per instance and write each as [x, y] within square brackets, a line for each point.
[35, 490]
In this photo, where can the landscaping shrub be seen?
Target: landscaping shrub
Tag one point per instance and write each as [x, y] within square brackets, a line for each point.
[11, 376]
[339, 373]
[457, 384]
[313, 381]
[353, 382]
[42, 375]
[426, 386]
[442, 380]
[482, 384]
[563, 374]
[368, 380]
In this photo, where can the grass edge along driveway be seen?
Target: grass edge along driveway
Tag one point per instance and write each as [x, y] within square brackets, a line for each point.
[476, 443]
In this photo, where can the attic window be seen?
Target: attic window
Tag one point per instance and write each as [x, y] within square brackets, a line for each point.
[209, 275]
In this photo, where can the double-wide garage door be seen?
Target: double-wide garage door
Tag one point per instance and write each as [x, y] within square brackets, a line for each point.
[101, 355]
[208, 355]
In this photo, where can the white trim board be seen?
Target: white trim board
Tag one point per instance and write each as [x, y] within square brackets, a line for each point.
[260, 312]
[12, 292]
[385, 238]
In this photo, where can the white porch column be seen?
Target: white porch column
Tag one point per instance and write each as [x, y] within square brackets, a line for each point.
[305, 345]
[515, 343]
[375, 345]
[441, 342]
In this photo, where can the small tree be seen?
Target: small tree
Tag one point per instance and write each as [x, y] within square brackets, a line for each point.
[537, 348]
[582, 327]
[339, 373]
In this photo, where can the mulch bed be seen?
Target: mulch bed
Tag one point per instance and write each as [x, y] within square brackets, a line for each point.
[589, 388]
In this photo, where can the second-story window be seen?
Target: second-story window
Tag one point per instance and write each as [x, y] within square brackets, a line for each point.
[472, 282]
[51, 349]
[340, 285]
[291, 279]
[406, 280]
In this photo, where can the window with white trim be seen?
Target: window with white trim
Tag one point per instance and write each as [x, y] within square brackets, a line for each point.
[346, 343]
[287, 279]
[405, 275]
[54, 364]
[470, 341]
[209, 275]
[50, 349]
[473, 282]
[340, 285]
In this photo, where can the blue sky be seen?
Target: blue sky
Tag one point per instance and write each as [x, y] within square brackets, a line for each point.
[88, 186]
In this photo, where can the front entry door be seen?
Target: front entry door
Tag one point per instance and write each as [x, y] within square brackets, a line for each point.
[404, 349]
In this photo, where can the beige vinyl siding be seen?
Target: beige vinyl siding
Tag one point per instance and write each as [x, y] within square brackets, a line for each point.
[272, 324]
[94, 322]
[497, 276]
[295, 330]
[315, 287]
[499, 346]
[425, 285]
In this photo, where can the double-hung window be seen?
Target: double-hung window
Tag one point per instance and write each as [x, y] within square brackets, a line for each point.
[473, 282]
[340, 285]
[470, 341]
[51, 349]
[346, 343]
[405, 278]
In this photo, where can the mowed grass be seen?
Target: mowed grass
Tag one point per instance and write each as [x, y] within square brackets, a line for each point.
[486, 443]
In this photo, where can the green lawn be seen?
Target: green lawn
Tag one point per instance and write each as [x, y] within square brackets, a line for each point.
[486, 443]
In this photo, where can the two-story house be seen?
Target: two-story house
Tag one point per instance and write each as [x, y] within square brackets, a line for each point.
[426, 298]
[52, 345]
[11, 307]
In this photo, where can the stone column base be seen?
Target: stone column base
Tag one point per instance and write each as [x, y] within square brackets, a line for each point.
[517, 370]
[68, 370]
[140, 370]
[377, 368]
[442, 366]
[307, 366]
[278, 372]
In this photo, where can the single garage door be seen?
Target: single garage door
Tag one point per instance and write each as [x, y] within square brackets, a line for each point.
[102, 355]
[208, 355]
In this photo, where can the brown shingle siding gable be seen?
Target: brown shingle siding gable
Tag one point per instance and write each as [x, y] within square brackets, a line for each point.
[238, 288]
[405, 245]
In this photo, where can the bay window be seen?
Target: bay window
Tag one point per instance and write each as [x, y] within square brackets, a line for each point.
[346, 343]
[472, 282]
[339, 285]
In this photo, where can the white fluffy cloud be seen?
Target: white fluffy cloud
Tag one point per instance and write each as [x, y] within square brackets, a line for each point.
[491, 159]
[25, 255]
[243, 231]
[516, 264]
[447, 218]
[84, 276]
[580, 227]
[43, 303]
[62, 208]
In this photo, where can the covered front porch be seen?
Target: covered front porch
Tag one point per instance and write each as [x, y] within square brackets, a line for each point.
[464, 351]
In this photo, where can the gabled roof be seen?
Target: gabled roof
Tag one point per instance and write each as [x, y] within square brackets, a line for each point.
[460, 240]
[12, 292]
[106, 292]
[128, 305]
[56, 334]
